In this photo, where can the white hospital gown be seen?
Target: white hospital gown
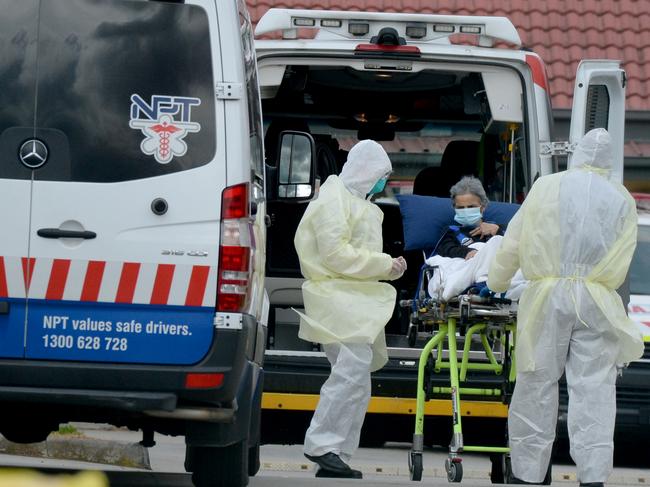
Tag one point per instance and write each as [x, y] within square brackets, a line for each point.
[453, 274]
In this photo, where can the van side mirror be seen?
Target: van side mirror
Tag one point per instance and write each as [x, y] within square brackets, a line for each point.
[296, 169]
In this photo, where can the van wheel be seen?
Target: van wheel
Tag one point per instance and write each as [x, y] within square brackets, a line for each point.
[254, 460]
[220, 466]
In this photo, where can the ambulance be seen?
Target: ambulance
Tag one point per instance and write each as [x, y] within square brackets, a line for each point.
[446, 96]
[133, 225]
[639, 305]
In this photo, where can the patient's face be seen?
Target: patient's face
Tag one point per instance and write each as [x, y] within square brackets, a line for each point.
[467, 201]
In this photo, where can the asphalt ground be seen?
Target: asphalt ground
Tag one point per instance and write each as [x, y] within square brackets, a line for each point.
[117, 452]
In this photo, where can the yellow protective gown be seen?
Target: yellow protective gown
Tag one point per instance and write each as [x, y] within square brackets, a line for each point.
[573, 238]
[339, 244]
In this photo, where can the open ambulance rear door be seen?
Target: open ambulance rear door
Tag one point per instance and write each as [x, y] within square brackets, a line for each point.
[599, 102]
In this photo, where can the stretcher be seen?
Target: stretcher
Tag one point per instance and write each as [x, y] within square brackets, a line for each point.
[469, 324]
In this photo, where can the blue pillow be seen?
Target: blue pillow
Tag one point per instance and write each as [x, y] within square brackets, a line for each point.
[427, 218]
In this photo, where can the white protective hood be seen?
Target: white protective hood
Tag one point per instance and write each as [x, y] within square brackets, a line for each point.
[367, 163]
[594, 151]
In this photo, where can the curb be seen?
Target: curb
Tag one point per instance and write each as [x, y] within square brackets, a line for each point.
[81, 448]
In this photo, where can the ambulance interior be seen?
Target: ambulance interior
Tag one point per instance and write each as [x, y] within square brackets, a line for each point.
[436, 123]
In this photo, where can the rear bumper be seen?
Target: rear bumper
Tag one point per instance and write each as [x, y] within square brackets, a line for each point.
[133, 388]
[123, 400]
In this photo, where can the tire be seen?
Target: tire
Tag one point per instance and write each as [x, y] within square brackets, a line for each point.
[415, 466]
[220, 466]
[454, 471]
[254, 460]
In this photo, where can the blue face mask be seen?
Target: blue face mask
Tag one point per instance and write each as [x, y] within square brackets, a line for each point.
[379, 186]
[468, 217]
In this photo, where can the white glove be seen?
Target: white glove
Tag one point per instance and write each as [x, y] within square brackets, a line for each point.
[398, 268]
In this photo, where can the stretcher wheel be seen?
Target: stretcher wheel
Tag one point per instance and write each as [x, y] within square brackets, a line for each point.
[415, 466]
[454, 470]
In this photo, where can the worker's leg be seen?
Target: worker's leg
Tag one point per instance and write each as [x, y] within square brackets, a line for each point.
[361, 357]
[337, 421]
[533, 410]
[591, 381]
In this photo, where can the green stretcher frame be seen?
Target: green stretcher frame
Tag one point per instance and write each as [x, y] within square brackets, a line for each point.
[457, 374]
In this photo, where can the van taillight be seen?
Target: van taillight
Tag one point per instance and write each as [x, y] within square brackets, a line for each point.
[410, 51]
[235, 251]
[234, 202]
[203, 381]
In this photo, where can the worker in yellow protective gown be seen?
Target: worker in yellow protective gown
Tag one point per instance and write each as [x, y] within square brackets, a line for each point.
[573, 238]
[339, 243]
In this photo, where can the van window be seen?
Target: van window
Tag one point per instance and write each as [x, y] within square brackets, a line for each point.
[18, 27]
[124, 87]
[436, 124]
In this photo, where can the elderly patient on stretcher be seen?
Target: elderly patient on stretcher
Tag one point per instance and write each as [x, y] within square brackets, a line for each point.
[464, 253]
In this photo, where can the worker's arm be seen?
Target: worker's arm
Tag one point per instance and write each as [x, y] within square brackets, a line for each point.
[506, 260]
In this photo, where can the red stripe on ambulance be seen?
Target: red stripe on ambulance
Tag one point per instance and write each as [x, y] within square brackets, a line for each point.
[97, 281]
[4, 290]
[197, 286]
[28, 270]
[128, 281]
[58, 278]
[162, 284]
[93, 280]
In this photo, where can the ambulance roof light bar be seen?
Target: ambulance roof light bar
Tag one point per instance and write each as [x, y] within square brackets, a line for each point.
[350, 24]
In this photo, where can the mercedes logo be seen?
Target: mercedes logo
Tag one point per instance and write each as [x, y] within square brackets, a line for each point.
[33, 153]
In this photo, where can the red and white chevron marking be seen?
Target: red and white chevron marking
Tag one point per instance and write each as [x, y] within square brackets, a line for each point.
[108, 282]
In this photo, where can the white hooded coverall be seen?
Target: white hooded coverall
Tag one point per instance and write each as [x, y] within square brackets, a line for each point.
[573, 237]
[339, 243]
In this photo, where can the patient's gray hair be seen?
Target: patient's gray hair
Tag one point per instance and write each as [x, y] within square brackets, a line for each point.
[469, 185]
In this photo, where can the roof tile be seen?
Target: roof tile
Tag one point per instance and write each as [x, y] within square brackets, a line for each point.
[561, 31]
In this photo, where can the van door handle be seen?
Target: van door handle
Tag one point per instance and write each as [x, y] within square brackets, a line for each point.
[58, 233]
[4, 308]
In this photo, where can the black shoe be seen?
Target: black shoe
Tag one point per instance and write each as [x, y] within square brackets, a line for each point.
[514, 480]
[592, 484]
[333, 466]
[334, 474]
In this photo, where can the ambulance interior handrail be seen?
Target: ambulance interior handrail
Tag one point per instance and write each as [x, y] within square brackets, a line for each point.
[487, 28]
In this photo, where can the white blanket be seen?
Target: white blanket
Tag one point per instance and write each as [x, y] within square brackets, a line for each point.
[454, 275]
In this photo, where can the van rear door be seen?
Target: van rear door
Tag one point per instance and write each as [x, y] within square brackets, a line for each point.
[599, 102]
[18, 28]
[125, 210]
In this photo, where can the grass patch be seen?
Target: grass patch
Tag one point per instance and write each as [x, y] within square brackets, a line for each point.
[67, 429]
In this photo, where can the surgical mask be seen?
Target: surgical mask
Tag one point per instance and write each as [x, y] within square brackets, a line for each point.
[468, 217]
[379, 186]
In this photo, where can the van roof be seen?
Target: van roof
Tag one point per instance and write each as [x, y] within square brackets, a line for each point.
[361, 26]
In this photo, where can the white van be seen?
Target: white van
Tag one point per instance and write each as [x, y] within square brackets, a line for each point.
[132, 205]
[441, 108]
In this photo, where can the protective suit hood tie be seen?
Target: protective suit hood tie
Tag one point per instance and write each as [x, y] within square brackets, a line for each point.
[598, 170]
